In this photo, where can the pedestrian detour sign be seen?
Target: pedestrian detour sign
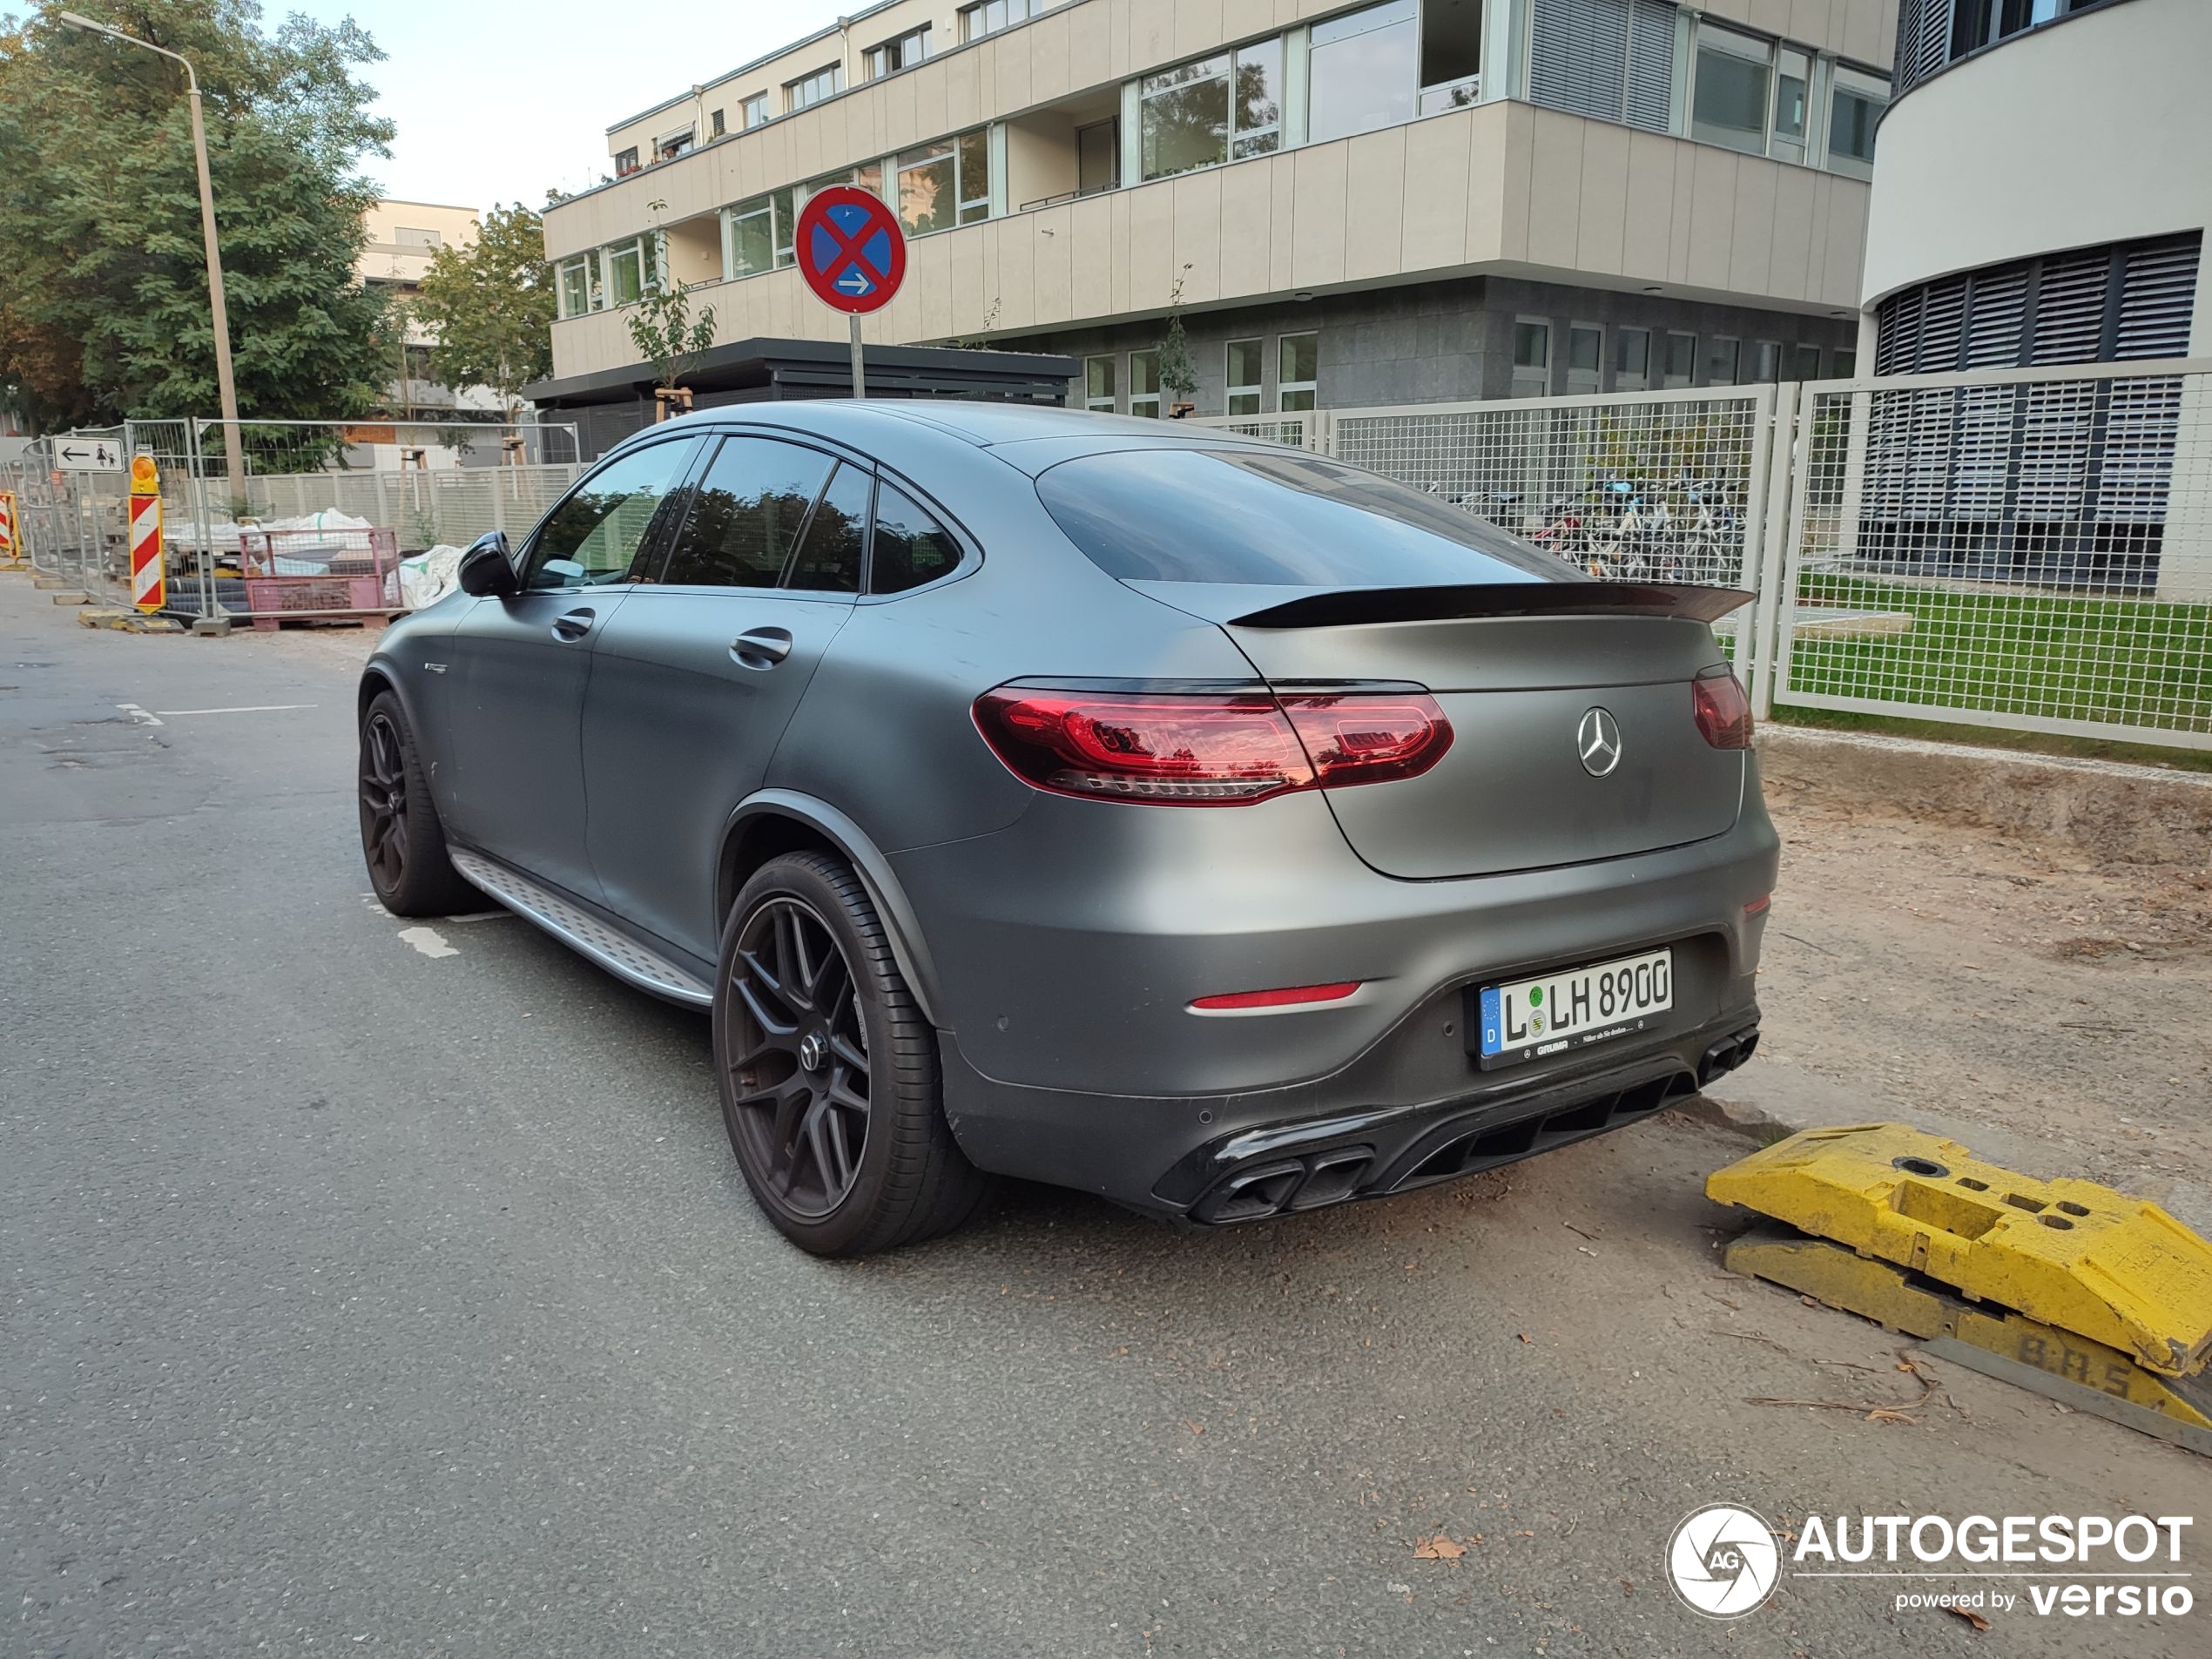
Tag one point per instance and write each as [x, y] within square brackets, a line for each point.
[73, 454]
[852, 250]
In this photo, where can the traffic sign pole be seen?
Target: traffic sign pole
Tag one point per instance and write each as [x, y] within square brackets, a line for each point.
[852, 251]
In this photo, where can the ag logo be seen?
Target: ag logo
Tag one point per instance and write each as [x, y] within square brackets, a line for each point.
[1597, 740]
[1723, 1561]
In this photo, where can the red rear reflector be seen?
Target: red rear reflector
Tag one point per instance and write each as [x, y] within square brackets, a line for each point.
[1723, 712]
[1759, 904]
[1284, 999]
[1172, 749]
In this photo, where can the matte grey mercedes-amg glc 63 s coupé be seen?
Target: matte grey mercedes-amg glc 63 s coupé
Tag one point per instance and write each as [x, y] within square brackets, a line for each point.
[1195, 821]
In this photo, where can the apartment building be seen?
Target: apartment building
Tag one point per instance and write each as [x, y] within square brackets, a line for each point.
[403, 238]
[2042, 202]
[1354, 204]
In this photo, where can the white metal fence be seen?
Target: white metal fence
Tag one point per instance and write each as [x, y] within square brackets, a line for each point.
[2027, 548]
[408, 486]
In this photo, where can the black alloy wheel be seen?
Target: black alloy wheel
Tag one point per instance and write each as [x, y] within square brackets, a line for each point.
[383, 784]
[799, 1081]
[402, 842]
[829, 1073]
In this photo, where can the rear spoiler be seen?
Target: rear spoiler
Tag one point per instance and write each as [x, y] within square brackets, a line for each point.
[1350, 606]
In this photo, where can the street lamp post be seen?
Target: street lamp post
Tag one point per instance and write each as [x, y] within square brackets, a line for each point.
[226, 386]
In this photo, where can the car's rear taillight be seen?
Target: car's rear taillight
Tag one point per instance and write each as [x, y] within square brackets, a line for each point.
[1723, 712]
[1174, 749]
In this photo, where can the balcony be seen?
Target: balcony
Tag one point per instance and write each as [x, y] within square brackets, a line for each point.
[1507, 188]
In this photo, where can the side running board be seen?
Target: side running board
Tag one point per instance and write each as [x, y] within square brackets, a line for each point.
[583, 932]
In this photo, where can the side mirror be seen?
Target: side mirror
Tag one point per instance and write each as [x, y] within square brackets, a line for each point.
[488, 568]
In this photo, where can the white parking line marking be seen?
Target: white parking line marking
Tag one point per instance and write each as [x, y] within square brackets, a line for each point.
[428, 940]
[254, 708]
[138, 714]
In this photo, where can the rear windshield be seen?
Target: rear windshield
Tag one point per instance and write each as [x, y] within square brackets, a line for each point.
[1287, 520]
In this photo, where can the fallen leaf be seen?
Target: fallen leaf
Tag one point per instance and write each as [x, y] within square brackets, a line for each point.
[1524, 1336]
[1882, 1414]
[1196, 1428]
[1627, 1586]
[1435, 1546]
[1969, 1616]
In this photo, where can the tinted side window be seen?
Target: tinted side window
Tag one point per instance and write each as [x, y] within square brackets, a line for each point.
[746, 515]
[592, 537]
[1253, 515]
[829, 558]
[910, 547]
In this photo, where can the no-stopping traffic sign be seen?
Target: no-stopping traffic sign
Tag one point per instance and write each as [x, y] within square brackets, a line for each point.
[850, 250]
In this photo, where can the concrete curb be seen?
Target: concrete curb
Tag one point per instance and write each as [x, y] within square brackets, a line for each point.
[2136, 814]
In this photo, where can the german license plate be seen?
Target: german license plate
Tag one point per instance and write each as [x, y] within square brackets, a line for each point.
[1558, 1012]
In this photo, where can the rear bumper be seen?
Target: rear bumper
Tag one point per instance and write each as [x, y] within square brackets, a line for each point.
[1072, 947]
[1349, 1140]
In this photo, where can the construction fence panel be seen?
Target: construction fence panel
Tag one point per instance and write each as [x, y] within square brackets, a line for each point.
[2026, 549]
[360, 487]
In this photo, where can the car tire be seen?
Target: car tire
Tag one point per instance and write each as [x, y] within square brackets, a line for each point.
[809, 1050]
[402, 842]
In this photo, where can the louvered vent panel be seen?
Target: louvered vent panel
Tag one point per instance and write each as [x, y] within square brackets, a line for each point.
[1578, 52]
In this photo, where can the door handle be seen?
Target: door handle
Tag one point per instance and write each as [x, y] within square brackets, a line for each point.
[574, 624]
[761, 647]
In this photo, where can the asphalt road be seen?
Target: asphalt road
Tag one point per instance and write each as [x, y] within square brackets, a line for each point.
[363, 1289]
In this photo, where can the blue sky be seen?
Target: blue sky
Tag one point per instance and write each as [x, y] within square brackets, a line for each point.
[497, 99]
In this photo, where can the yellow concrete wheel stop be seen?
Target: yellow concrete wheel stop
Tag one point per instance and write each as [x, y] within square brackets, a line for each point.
[2069, 1255]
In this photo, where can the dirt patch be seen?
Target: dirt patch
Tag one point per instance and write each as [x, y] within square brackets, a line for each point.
[1994, 979]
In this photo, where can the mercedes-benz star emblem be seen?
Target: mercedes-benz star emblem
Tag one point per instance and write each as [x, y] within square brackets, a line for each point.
[1597, 740]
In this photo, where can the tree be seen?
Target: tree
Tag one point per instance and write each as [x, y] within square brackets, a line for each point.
[666, 335]
[661, 327]
[1178, 374]
[104, 312]
[489, 306]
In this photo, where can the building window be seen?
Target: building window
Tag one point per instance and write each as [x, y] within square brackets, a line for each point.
[673, 146]
[1681, 358]
[946, 184]
[1098, 157]
[576, 288]
[1843, 363]
[1532, 358]
[1854, 107]
[894, 55]
[625, 162]
[1298, 361]
[1201, 114]
[715, 125]
[1614, 59]
[1730, 104]
[1805, 362]
[1241, 366]
[1098, 384]
[754, 111]
[404, 237]
[1792, 76]
[760, 233]
[1144, 382]
[988, 18]
[1451, 55]
[1585, 357]
[1766, 362]
[1362, 71]
[1631, 359]
[626, 271]
[1724, 359]
[810, 89]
